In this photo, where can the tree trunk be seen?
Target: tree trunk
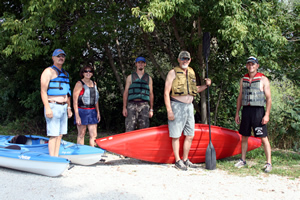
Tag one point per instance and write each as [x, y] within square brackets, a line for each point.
[203, 102]
[112, 64]
[218, 103]
[152, 58]
[173, 60]
[121, 58]
[181, 42]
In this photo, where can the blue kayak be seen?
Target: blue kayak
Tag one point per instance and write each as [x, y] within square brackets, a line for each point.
[76, 153]
[30, 161]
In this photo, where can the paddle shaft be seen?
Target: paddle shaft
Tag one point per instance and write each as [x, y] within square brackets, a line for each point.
[208, 104]
[210, 155]
[206, 51]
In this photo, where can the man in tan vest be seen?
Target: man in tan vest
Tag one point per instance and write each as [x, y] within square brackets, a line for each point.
[181, 83]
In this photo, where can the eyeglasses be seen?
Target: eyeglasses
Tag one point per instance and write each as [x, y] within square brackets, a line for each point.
[61, 56]
[87, 71]
[187, 59]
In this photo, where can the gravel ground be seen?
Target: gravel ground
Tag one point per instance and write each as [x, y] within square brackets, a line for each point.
[133, 179]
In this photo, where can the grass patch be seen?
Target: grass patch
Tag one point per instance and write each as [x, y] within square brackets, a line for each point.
[285, 163]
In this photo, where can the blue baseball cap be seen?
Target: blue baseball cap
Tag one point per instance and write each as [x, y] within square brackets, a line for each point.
[140, 59]
[56, 52]
[252, 59]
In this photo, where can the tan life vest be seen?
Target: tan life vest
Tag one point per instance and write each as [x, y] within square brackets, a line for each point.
[184, 84]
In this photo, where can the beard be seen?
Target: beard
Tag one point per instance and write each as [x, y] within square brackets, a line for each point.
[184, 66]
[141, 69]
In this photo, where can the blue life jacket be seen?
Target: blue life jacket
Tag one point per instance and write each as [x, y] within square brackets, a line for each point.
[88, 96]
[59, 85]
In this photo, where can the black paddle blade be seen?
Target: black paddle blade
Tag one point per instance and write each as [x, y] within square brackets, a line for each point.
[206, 45]
[210, 157]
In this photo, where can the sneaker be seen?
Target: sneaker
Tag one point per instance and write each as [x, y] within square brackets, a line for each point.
[180, 165]
[189, 164]
[268, 167]
[240, 164]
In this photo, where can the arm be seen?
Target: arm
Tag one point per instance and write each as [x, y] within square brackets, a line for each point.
[151, 97]
[168, 86]
[98, 110]
[45, 79]
[125, 95]
[69, 107]
[267, 91]
[201, 88]
[76, 91]
[239, 103]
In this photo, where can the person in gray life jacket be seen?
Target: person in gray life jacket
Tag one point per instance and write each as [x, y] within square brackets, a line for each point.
[137, 96]
[180, 90]
[254, 94]
[86, 106]
[56, 94]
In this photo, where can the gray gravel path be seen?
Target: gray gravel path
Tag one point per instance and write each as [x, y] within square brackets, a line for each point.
[134, 180]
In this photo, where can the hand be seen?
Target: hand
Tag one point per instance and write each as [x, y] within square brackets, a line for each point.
[70, 113]
[124, 112]
[207, 81]
[98, 117]
[78, 120]
[49, 113]
[150, 114]
[171, 115]
[237, 118]
[265, 120]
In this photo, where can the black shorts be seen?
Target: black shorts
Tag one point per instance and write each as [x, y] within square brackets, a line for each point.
[251, 118]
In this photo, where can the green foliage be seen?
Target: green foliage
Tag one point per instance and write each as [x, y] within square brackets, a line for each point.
[285, 115]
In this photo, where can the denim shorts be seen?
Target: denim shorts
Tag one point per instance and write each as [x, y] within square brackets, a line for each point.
[184, 120]
[87, 116]
[58, 124]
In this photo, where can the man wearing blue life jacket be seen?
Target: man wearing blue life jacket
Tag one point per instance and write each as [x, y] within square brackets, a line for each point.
[137, 95]
[55, 94]
[254, 93]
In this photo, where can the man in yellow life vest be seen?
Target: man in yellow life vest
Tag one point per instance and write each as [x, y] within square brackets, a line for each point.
[254, 93]
[137, 96]
[181, 83]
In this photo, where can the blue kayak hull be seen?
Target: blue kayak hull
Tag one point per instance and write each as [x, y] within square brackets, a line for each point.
[33, 162]
[76, 153]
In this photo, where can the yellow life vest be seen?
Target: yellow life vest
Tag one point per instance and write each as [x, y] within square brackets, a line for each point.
[184, 84]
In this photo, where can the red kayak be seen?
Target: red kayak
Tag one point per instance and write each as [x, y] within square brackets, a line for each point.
[154, 144]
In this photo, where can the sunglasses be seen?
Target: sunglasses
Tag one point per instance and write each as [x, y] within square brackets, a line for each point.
[61, 56]
[87, 71]
[187, 59]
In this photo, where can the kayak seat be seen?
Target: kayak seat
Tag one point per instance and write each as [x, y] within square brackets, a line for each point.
[42, 141]
[28, 142]
[35, 141]
[19, 139]
[14, 147]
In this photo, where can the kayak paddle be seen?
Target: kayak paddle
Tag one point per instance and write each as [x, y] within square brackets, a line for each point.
[210, 155]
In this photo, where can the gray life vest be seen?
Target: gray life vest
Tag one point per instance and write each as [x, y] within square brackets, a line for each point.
[88, 97]
[251, 93]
